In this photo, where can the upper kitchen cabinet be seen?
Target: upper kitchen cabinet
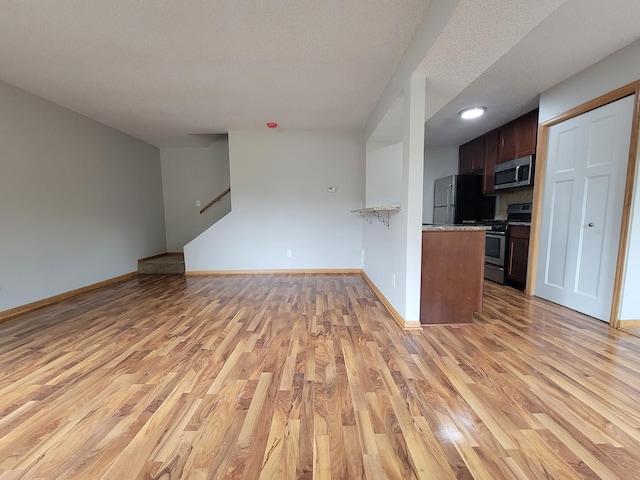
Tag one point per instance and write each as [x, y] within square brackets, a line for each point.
[518, 138]
[471, 156]
[491, 144]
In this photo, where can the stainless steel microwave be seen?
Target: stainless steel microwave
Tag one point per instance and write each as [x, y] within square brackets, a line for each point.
[514, 173]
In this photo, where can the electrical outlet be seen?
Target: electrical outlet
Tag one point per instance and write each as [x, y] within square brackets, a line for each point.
[289, 253]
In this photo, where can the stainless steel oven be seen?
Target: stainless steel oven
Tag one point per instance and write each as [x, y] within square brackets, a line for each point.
[495, 249]
[495, 255]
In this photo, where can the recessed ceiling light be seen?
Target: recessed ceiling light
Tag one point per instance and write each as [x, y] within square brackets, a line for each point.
[473, 112]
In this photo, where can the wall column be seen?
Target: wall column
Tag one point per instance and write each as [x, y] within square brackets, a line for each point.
[412, 190]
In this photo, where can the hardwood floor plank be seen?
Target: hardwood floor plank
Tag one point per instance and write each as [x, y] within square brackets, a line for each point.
[307, 376]
[596, 466]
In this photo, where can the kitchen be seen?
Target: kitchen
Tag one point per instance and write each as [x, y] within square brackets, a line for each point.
[585, 176]
[494, 187]
[491, 191]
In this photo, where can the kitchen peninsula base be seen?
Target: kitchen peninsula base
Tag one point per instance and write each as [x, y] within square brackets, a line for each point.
[452, 274]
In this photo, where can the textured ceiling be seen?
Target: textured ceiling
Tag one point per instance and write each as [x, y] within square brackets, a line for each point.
[574, 35]
[174, 72]
[162, 70]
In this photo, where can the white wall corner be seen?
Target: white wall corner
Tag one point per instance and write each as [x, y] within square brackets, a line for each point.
[412, 180]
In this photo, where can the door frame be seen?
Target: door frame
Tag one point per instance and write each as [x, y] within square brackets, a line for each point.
[632, 166]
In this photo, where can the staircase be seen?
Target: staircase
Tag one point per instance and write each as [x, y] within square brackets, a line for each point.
[167, 264]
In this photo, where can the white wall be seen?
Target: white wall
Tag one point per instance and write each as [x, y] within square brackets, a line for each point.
[617, 70]
[630, 308]
[79, 202]
[279, 183]
[384, 176]
[190, 175]
[384, 260]
[393, 255]
[438, 162]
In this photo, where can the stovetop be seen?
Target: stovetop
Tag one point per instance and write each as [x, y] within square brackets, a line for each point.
[496, 225]
[516, 212]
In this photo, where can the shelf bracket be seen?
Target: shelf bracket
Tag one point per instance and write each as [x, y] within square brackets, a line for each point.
[380, 217]
[363, 215]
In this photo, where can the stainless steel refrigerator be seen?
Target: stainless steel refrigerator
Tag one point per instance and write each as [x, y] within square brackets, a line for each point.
[458, 198]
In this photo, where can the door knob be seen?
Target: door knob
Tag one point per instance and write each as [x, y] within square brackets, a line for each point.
[591, 224]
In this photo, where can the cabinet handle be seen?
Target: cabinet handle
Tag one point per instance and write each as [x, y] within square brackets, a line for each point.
[511, 258]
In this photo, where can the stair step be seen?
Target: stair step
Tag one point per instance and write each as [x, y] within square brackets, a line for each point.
[165, 265]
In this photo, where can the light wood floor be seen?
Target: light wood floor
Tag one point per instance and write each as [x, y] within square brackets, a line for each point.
[308, 376]
[635, 330]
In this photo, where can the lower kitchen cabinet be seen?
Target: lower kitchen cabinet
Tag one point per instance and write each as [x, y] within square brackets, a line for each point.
[452, 274]
[518, 255]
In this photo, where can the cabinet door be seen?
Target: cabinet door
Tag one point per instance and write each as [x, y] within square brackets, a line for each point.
[471, 156]
[491, 143]
[527, 134]
[517, 258]
[507, 147]
[477, 152]
[518, 253]
[465, 158]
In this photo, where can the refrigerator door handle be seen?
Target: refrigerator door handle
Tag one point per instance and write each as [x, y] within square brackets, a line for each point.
[449, 210]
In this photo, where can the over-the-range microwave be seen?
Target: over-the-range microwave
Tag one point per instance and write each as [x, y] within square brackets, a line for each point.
[514, 173]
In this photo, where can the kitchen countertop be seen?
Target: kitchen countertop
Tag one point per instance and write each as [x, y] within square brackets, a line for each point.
[454, 228]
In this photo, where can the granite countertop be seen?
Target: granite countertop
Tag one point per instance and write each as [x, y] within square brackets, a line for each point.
[454, 228]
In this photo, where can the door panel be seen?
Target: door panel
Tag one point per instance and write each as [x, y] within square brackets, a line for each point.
[591, 239]
[601, 141]
[582, 208]
[565, 152]
[558, 234]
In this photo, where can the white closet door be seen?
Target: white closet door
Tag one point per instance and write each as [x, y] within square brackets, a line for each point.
[582, 208]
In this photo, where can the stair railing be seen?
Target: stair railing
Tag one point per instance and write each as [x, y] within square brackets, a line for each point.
[217, 199]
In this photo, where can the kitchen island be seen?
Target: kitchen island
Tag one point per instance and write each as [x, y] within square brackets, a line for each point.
[452, 273]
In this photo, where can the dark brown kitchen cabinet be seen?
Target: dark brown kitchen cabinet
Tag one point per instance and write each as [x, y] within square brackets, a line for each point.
[507, 143]
[518, 255]
[527, 136]
[471, 156]
[518, 138]
[452, 275]
[491, 142]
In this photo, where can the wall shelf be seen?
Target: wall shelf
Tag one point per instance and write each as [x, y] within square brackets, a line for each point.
[377, 212]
